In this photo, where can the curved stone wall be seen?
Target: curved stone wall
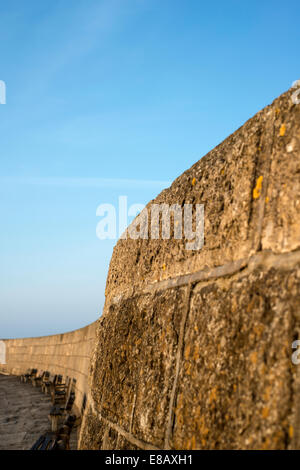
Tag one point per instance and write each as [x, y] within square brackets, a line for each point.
[193, 350]
[67, 354]
[194, 347]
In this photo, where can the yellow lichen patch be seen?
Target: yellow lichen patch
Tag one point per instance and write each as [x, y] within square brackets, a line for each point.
[187, 351]
[282, 130]
[253, 357]
[291, 432]
[213, 395]
[265, 412]
[193, 443]
[164, 267]
[193, 181]
[188, 368]
[257, 189]
[222, 172]
[267, 200]
[196, 353]
[187, 444]
[203, 430]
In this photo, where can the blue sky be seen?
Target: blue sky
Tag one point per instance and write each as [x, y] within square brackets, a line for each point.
[100, 92]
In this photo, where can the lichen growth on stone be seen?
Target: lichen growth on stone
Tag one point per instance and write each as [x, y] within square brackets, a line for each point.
[258, 187]
[282, 130]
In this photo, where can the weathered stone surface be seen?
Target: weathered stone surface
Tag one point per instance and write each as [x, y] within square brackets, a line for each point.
[282, 212]
[194, 347]
[92, 438]
[226, 181]
[135, 361]
[236, 378]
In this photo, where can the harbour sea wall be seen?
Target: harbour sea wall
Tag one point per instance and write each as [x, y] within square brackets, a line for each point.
[194, 347]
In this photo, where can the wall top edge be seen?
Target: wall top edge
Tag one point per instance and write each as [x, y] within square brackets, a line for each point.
[52, 336]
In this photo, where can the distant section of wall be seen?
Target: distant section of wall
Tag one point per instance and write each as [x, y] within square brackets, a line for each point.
[67, 354]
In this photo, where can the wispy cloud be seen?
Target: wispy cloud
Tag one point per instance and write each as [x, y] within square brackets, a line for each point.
[111, 183]
[87, 26]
